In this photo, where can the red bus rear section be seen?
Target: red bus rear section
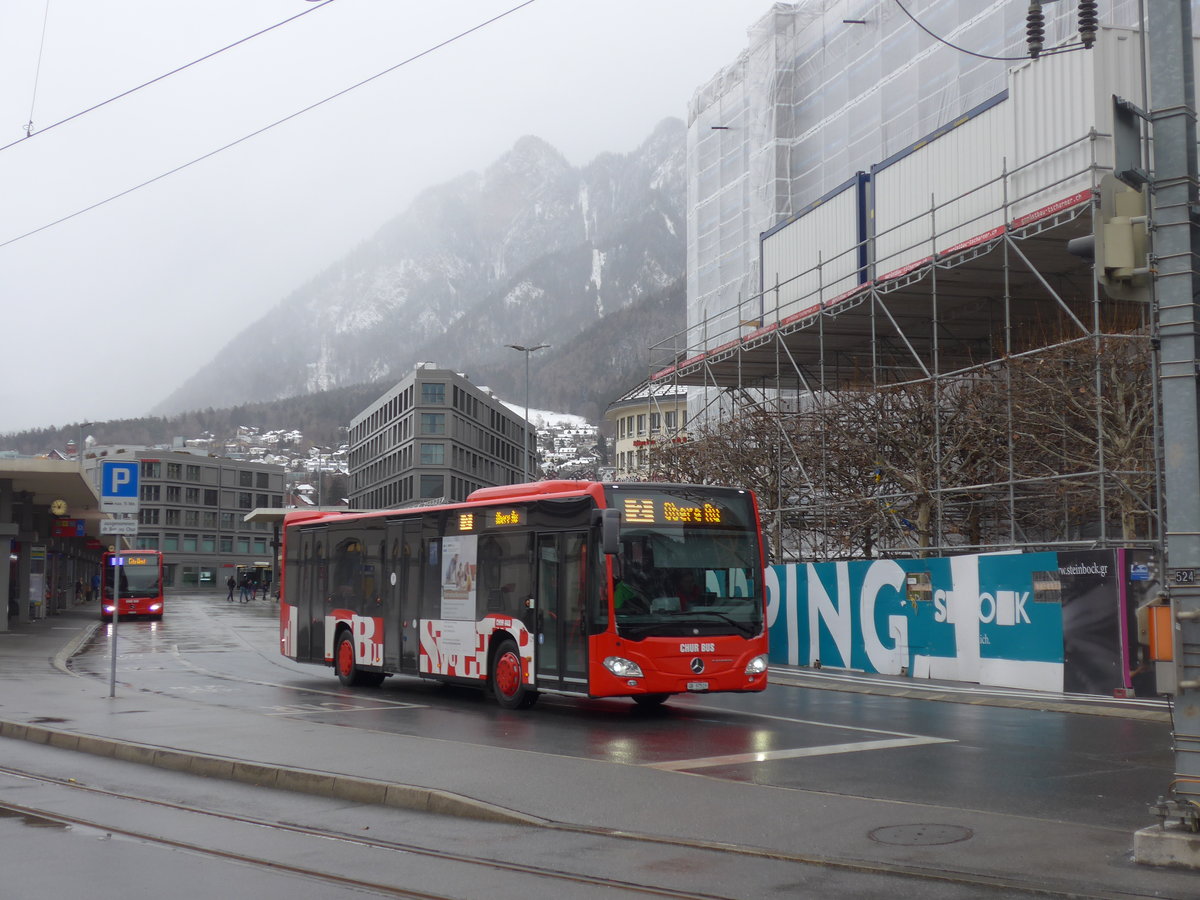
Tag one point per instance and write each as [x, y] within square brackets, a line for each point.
[564, 587]
[139, 577]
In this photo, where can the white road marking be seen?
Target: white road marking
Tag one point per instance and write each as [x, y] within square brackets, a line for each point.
[338, 708]
[737, 759]
[759, 715]
[200, 670]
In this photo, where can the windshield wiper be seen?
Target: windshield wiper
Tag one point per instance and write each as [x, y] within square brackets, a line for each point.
[642, 629]
[680, 621]
[746, 629]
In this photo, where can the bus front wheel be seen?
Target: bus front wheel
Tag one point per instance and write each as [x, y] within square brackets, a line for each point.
[508, 685]
[347, 669]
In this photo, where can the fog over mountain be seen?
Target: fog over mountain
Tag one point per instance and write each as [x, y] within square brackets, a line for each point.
[533, 250]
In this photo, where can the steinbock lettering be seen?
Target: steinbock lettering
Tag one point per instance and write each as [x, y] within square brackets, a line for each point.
[1001, 608]
[1084, 569]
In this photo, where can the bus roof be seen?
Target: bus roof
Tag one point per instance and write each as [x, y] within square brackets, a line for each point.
[532, 489]
[505, 493]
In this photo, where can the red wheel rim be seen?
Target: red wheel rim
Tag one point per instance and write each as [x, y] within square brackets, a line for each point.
[345, 658]
[508, 673]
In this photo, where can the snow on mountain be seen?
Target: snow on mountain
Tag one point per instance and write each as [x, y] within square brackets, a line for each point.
[532, 249]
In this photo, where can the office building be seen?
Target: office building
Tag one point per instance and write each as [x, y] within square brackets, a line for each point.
[434, 436]
[192, 507]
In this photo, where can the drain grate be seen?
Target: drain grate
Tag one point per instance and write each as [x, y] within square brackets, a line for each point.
[923, 835]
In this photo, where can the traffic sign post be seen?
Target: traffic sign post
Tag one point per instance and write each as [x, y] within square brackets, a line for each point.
[116, 562]
[119, 494]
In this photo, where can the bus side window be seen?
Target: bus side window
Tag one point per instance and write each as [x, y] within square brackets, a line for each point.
[348, 574]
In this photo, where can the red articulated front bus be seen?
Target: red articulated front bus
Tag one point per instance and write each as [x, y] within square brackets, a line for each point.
[564, 587]
[140, 590]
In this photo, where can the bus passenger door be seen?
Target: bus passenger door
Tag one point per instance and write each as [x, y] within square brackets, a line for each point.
[559, 624]
[306, 594]
[405, 592]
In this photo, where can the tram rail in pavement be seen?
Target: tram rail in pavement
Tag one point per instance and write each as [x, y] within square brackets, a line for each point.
[1053, 857]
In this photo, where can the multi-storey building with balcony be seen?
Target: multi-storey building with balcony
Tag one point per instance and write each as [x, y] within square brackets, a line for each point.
[644, 418]
[192, 507]
[435, 436]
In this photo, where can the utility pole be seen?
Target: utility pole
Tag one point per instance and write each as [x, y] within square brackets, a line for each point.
[79, 444]
[525, 427]
[1176, 249]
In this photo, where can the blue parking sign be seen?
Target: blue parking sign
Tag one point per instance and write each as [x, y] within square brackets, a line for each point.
[118, 486]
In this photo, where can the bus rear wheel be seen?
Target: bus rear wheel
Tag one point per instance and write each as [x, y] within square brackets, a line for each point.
[347, 669]
[508, 685]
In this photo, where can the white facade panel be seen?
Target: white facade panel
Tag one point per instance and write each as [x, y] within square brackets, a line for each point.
[1056, 101]
[929, 201]
[812, 259]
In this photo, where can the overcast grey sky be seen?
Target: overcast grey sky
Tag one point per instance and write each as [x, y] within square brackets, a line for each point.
[106, 313]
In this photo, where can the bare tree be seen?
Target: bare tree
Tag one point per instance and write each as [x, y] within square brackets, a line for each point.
[1031, 449]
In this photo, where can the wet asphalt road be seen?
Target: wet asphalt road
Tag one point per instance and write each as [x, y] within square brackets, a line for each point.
[1047, 764]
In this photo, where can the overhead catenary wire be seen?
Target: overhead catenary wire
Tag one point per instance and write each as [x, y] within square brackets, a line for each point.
[37, 71]
[1066, 48]
[29, 132]
[266, 128]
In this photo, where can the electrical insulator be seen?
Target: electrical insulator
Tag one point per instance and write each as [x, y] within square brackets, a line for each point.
[1088, 22]
[1035, 28]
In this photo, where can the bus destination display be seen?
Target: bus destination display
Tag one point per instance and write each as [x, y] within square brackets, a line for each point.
[131, 561]
[663, 509]
[492, 518]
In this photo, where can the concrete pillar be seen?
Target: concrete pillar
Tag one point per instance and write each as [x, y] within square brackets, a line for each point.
[8, 531]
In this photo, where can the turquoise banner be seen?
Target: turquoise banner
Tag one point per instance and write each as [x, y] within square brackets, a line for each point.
[989, 618]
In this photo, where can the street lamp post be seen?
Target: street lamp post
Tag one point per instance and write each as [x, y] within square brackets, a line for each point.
[525, 429]
[79, 443]
[320, 477]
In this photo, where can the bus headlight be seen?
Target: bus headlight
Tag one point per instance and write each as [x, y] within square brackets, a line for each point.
[757, 666]
[623, 668]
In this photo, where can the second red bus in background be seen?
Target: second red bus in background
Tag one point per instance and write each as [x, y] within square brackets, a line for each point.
[131, 584]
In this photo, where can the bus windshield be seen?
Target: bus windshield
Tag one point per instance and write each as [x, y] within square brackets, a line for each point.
[688, 565]
[136, 580]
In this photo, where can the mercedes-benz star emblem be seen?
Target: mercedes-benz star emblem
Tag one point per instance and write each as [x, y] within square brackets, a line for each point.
[697, 665]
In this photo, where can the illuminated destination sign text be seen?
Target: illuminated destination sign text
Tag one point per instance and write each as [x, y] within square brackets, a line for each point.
[663, 511]
[491, 518]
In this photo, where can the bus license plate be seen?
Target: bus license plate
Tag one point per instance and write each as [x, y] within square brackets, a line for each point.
[697, 685]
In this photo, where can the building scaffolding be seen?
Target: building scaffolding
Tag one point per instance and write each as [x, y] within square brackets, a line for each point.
[964, 298]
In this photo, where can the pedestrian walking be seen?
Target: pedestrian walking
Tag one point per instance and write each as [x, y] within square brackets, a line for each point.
[95, 589]
[79, 590]
[244, 596]
[230, 583]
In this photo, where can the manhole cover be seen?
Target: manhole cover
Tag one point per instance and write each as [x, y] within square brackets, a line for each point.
[921, 835]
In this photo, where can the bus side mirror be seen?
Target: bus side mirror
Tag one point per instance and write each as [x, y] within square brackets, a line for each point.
[610, 531]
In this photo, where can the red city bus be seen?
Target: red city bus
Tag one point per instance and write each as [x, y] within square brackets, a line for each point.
[564, 587]
[141, 586]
